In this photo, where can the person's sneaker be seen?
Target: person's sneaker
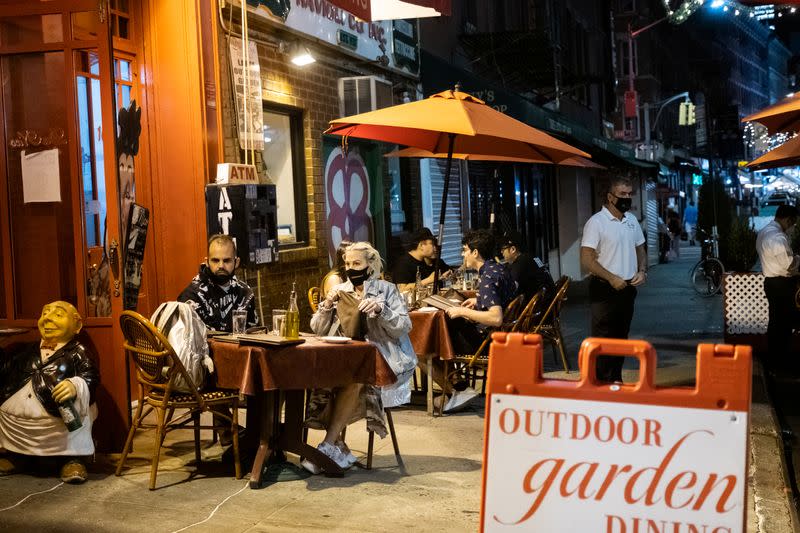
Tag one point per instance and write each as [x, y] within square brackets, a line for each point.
[460, 399]
[334, 453]
[345, 449]
[73, 472]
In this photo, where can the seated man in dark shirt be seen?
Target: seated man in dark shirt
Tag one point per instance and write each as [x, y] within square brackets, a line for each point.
[527, 271]
[215, 293]
[468, 322]
[421, 256]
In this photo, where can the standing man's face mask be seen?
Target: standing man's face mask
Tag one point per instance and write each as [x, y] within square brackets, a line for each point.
[623, 204]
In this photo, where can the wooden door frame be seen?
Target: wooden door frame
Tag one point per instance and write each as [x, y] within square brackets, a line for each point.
[116, 402]
[68, 46]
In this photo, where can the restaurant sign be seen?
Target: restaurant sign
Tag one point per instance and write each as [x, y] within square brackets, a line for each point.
[373, 41]
[565, 460]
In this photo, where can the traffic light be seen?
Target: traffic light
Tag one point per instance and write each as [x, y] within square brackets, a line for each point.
[686, 114]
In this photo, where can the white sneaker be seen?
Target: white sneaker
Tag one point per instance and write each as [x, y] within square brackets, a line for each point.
[460, 399]
[334, 453]
[351, 459]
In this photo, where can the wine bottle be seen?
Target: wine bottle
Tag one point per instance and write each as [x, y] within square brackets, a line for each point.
[292, 320]
[69, 414]
[418, 288]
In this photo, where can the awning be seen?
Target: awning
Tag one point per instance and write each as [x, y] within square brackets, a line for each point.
[438, 74]
[371, 10]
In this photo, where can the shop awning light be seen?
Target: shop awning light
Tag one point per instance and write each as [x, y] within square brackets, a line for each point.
[301, 57]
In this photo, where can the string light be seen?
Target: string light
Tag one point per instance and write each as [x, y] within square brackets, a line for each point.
[756, 135]
[688, 7]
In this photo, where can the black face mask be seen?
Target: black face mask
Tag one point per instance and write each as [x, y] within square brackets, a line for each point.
[623, 204]
[357, 277]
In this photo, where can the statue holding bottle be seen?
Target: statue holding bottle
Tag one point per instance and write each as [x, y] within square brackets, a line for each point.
[47, 391]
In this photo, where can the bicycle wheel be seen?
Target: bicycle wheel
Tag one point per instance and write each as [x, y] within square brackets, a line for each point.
[706, 276]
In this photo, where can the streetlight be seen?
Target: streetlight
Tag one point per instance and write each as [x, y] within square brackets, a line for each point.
[662, 104]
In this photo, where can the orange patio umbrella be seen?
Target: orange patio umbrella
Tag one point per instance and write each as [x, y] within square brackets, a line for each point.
[785, 155]
[454, 122]
[783, 117]
[576, 161]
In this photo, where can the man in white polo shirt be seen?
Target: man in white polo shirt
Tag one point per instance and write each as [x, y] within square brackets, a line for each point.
[612, 251]
[779, 264]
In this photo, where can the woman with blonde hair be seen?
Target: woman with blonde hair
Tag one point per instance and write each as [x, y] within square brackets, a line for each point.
[383, 312]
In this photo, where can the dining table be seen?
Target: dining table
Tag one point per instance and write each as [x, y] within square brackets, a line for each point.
[430, 339]
[268, 373]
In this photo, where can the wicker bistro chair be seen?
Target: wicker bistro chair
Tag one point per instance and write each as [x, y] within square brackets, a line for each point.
[513, 316]
[548, 324]
[157, 368]
[314, 298]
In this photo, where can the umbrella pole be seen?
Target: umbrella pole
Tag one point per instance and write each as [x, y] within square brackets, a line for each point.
[440, 237]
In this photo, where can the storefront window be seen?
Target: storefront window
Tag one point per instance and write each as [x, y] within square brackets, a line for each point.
[284, 161]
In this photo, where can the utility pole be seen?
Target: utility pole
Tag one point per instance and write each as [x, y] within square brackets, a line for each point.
[632, 34]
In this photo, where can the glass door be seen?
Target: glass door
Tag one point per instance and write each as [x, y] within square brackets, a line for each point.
[56, 82]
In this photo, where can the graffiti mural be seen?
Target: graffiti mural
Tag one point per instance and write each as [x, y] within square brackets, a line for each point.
[347, 199]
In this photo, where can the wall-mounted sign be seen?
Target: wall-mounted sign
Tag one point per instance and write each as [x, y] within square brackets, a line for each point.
[326, 22]
[249, 113]
[233, 173]
[404, 44]
[347, 39]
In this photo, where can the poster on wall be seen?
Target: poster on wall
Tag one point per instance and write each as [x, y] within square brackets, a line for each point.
[134, 255]
[249, 115]
[352, 181]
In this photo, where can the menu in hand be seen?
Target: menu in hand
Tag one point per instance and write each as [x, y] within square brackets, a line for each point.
[439, 302]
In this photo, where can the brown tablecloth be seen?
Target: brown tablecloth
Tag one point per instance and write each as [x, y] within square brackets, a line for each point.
[429, 334]
[252, 369]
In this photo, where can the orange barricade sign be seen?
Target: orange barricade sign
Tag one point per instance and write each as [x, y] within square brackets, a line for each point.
[614, 458]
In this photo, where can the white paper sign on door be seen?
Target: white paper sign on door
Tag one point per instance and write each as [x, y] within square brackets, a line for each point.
[41, 178]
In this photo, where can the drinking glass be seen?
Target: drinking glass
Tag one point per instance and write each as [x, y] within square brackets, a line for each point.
[239, 321]
[278, 319]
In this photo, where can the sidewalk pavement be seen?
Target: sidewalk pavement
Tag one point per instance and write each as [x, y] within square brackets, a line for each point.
[440, 487]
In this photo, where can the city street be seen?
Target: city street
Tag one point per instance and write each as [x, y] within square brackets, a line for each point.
[440, 487]
[668, 314]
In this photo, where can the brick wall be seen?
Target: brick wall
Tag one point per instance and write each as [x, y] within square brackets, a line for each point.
[314, 90]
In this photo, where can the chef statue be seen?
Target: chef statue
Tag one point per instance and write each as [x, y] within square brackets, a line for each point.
[47, 397]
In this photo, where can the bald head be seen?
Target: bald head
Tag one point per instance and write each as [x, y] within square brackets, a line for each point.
[60, 321]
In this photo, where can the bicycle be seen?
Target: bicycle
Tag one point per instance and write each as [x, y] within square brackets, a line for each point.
[706, 275]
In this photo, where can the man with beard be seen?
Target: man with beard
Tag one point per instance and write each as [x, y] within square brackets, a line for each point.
[612, 251]
[215, 293]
